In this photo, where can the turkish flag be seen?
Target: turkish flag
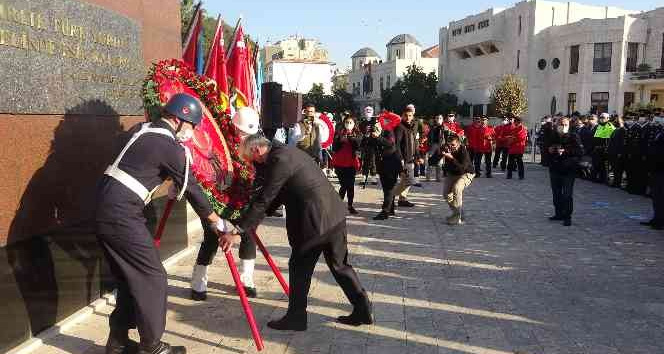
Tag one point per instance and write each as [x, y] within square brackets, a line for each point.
[239, 70]
[216, 65]
[190, 46]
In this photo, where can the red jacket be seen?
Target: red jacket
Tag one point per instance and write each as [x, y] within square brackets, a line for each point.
[501, 132]
[472, 136]
[345, 152]
[516, 137]
[484, 139]
[454, 127]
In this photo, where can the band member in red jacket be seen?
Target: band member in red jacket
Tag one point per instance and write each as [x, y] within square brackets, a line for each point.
[452, 125]
[516, 138]
[484, 138]
[501, 144]
[471, 135]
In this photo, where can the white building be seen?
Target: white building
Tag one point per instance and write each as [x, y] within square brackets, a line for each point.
[573, 57]
[299, 76]
[297, 63]
[370, 75]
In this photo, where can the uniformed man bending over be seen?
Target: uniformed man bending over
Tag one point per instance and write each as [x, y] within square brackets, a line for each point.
[315, 223]
[152, 155]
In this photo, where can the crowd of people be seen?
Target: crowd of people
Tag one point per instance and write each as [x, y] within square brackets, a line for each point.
[621, 152]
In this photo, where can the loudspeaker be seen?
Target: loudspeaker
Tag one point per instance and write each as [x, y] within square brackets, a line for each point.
[271, 108]
[291, 109]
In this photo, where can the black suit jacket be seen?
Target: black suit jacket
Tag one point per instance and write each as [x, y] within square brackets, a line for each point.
[313, 207]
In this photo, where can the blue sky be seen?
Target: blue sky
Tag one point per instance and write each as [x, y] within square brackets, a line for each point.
[344, 26]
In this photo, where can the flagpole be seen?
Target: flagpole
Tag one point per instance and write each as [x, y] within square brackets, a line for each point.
[231, 45]
[191, 23]
[219, 27]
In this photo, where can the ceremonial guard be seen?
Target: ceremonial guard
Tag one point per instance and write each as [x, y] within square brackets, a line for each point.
[246, 121]
[485, 136]
[151, 155]
[501, 144]
[315, 224]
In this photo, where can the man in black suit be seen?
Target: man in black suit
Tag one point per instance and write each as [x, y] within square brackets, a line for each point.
[315, 223]
[566, 151]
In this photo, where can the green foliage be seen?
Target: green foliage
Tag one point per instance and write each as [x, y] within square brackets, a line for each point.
[509, 96]
[418, 88]
[339, 101]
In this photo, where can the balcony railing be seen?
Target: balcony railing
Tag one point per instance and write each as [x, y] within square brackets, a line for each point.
[648, 75]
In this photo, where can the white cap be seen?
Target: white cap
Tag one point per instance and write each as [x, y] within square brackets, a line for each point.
[605, 115]
[247, 120]
[410, 107]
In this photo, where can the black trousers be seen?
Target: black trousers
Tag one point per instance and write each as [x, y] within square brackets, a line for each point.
[515, 162]
[387, 182]
[301, 267]
[618, 168]
[346, 183]
[141, 283]
[637, 175]
[210, 245]
[600, 169]
[546, 157]
[562, 187]
[657, 191]
[501, 154]
[487, 163]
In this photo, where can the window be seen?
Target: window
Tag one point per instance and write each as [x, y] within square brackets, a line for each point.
[493, 49]
[599, 102]
[382, 85]
[478, 110]
[483, 24]
[555, 63]
[491, 110]
[520, 25]
[478, 51]
[541, 64]
[456, 32]
[571, 103]
[602, 60]
[464, 54]
[628, 99]
[388, 81]
[469, 28]
[661, 61]
[632, 57]
[398, 54]
[554, 105]
[574, 59]
[518, 59]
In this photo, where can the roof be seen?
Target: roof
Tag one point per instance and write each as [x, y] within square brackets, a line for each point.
[365, 52]
[431, 52]
[403, 38]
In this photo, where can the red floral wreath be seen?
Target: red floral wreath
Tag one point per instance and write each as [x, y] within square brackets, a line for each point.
[169, 77]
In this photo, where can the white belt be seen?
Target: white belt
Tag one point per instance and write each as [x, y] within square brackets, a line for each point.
[131, 183]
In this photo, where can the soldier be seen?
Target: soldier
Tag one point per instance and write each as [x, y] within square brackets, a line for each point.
[150, 156]
[246, 121]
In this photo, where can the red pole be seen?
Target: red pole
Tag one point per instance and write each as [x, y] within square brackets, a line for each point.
[162, 222]
[270, 261]
[245, 303]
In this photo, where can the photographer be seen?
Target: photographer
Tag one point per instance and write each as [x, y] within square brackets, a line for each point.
[460, 173]
[565, 153]
[345, 159]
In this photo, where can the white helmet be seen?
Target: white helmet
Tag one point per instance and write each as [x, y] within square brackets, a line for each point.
[247, 120]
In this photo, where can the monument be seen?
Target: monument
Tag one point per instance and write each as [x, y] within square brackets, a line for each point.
[71, 73]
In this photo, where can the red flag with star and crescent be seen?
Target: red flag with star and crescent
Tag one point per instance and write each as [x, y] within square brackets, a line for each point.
[239, 71]
[216, 65]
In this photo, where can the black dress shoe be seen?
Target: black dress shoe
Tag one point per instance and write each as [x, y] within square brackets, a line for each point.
[198, 295]
[289, 323]
[163, 348]
[567, 222]
[381, 216]
[405, 203]
[352, 210]
[489, 176]
[251, 292]
[121, 347]
[356, 318]
[555, 218]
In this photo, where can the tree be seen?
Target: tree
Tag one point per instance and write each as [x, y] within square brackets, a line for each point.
[418, 88]
[509, 96]
[338, 101]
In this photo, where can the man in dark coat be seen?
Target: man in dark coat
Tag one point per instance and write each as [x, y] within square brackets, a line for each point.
[406, 144]
[616, 153]
[565, 150]
[315, 223]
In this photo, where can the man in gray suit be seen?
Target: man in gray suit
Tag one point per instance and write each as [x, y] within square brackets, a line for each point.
[315, 224]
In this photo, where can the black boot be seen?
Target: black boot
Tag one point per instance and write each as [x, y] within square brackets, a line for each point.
[352, 210]
[119, 343]
[162, 348]
[198, 295]
[362, 314]
[251, 292]
[392, 212]
[381, 216]
[289, 323]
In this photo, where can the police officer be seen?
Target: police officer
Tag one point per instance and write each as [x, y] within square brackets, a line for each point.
[247, 122]
[151, 155]
[635, 148]
[315, 224]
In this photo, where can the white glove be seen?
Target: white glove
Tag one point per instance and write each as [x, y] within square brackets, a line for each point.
[223, 226]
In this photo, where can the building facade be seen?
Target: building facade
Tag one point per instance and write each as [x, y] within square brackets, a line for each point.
[573, 57]
[370, 74]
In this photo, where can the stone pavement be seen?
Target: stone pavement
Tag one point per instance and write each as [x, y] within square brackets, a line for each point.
[509, 281]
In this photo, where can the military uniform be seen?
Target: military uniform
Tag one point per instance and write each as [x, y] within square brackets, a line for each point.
[637, 173]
